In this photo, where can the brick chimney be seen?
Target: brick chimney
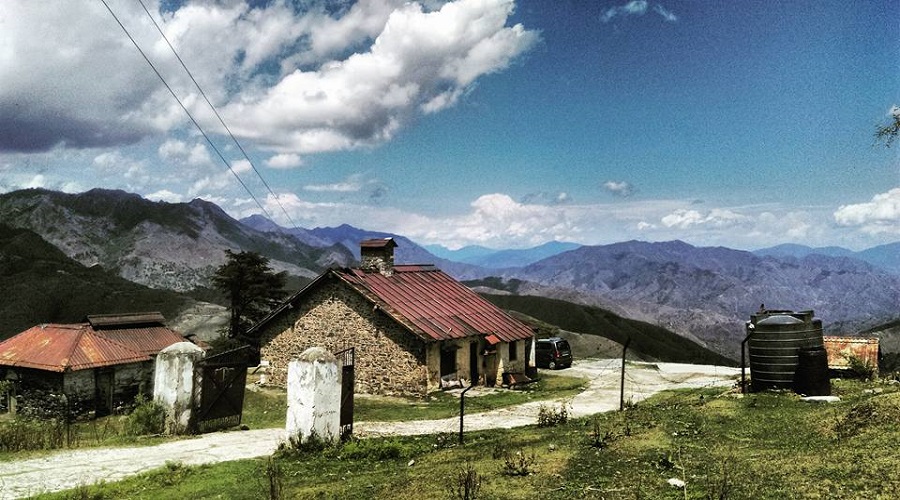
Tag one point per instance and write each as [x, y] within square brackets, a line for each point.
[378, 255]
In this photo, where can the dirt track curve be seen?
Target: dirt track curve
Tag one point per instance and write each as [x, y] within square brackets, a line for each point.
[69, 469]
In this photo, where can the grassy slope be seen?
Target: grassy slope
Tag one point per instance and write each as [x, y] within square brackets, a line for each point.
[41, 285]
[769, 445]
[650, 340]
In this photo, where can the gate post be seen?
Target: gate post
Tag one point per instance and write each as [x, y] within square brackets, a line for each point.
[314, 397]
[175, 385]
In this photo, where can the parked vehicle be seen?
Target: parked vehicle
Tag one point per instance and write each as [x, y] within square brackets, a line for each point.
[553, 353]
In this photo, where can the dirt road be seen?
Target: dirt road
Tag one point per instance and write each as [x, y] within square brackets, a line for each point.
[70, 469]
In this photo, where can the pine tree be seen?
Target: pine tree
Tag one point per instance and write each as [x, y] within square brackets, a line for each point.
[252, 288]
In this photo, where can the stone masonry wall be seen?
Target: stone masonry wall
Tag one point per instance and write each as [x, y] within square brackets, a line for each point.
[389, 359]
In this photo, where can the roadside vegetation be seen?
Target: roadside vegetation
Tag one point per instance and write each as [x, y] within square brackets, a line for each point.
[29, 435]
[267, 407]
[694, 444]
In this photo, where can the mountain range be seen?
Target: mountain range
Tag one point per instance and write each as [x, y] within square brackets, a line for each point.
[174, 246]
[703, 294]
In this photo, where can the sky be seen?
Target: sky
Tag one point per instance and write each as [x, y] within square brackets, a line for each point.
[470, 122]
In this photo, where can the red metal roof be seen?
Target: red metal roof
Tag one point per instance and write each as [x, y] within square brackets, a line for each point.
[147, 340]
[60, 348]
[433, 305]
[378, 243]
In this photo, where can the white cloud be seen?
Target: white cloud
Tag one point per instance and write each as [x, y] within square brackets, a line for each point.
[296, 81]
[881, 215]
[420, 60]
[284, 160]
[351, 184]
[666, 14]
[683, 218]
[637, 8]
[165, 195]
[182, 152]
[619, 188]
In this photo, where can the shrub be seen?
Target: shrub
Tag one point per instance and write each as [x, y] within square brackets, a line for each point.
[860, 368]
[147, 418]
[550, 417]
[518, 464]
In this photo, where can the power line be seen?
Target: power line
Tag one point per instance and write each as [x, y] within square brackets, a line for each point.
[216, 112]
[184, 108]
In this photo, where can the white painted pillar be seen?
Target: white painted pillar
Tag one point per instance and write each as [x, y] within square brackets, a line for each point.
[176, 384]
[314, 397]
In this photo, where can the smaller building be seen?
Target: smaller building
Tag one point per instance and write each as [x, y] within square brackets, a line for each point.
[843, 350]
[98, 365]
[414, 328]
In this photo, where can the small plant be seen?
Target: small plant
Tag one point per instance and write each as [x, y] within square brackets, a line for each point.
[518, 464]
[719, 488]
[466, 485]
[274, 479]
[550, 417]
[599, 437]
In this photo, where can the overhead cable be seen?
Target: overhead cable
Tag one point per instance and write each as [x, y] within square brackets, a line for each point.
[188, 113]
[216, 112]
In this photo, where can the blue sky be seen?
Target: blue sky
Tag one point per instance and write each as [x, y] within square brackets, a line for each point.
[743, 124]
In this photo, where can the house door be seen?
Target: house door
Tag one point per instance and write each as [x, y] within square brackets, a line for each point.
[473, 362]
[103, 381]
[448, 360]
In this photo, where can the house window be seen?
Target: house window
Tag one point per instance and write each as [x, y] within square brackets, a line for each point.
[513, 351]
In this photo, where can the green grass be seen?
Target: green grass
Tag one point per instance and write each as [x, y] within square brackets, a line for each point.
[268, 407]
[759, 446]
[445, 405]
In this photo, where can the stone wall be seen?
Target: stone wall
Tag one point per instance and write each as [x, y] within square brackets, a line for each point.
[389, 359]
[79, 385]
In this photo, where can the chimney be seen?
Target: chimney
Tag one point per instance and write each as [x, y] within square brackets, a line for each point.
[378, 255]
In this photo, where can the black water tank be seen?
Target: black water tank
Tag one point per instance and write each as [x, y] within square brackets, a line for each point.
[811, 377]
[774, 346]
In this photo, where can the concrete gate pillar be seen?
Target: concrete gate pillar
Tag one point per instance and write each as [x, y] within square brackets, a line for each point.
[314, 397]
[176, 385]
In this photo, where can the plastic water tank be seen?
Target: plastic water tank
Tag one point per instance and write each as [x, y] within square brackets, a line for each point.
[775, 346]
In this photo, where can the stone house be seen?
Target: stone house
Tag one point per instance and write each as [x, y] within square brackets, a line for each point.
[99, 365]
[414, 328]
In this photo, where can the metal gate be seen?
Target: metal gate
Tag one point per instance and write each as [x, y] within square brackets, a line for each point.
[347, 358]
[223, 380]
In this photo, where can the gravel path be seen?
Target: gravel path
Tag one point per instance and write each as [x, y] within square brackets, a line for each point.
[69, 469]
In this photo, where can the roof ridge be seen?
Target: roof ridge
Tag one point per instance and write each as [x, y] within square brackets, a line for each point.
[66, 361]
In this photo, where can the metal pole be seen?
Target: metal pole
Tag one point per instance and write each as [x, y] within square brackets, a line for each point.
[743, 363]
[462, 410]
[622, 381]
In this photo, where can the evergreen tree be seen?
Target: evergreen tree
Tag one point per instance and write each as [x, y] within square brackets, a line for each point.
[252, 288]
[888, 133]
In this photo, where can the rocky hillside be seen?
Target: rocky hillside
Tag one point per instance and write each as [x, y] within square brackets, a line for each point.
[42, 285]
[708, 293]
[175, 246]
[349, 237]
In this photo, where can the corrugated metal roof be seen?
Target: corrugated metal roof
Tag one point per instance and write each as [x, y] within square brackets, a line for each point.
[378, 243]
[145, 340]
[841, 349]
[60, 348]
[433, 305]
[142, 318]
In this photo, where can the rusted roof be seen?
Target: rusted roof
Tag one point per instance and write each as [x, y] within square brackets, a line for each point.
[841, 349]
[142, 318]
[378, 243]
[433, 305]
[61, 348]
[147, 340]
